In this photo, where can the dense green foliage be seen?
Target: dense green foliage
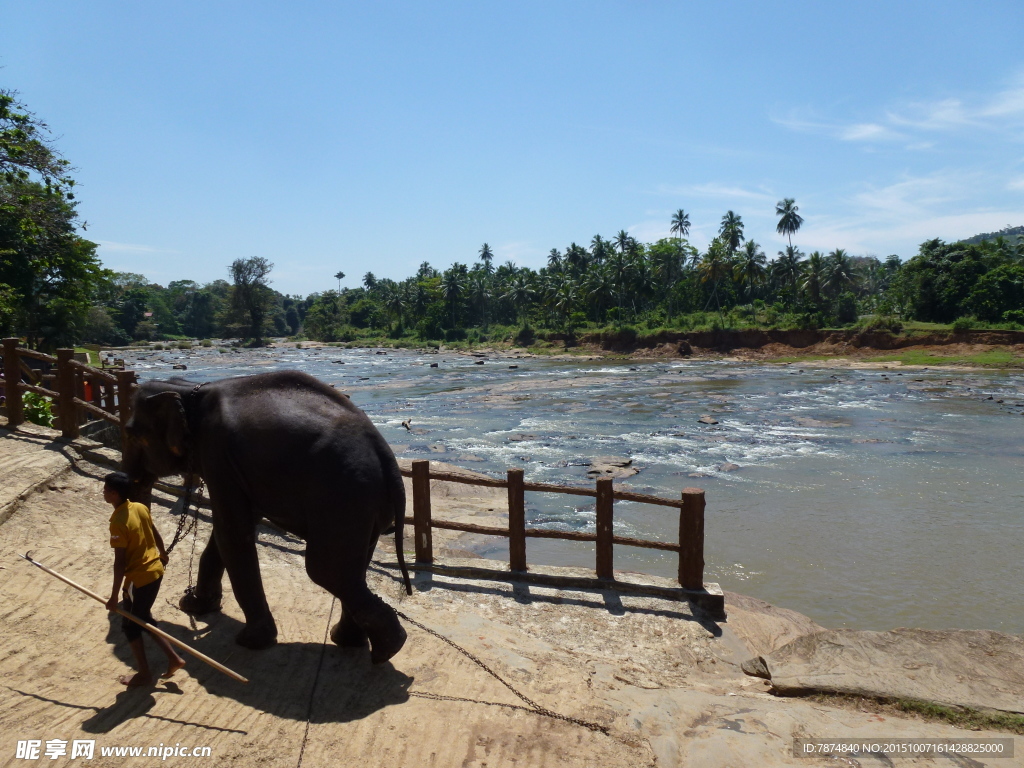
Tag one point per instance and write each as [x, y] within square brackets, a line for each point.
[47, 271]
[54, 292]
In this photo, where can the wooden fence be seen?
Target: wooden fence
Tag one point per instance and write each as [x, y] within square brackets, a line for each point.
[689, 548]
[80, 392]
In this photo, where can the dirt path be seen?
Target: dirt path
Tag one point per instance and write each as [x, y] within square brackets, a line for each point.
[664, 682]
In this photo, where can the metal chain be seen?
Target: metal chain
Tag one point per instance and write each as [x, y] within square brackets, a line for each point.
[533, 706]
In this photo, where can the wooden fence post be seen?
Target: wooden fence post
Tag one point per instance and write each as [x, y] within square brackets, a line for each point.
[691, 539]
[516, 521]
[12, 377]
[66, 387]
[125, 383]
[421, 511]
[605, 529]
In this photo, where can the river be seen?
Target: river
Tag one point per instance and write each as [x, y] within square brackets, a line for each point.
[863, 498]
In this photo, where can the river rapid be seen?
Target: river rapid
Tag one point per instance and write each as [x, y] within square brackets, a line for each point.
[868, 498]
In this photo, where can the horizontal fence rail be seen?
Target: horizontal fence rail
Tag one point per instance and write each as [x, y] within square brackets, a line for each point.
[690, 547]
[81, 393]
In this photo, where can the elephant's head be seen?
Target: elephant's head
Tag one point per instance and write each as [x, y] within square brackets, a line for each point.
[156, 438]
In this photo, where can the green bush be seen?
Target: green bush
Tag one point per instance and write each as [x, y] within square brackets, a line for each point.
[206, 343]
[1014, 316]
[964, 324]
[184, 345]
[38, 409]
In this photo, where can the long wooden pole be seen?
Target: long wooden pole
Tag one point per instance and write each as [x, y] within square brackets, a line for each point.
[173, 640]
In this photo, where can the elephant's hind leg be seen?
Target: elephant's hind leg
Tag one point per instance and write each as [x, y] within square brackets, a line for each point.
[364, 615]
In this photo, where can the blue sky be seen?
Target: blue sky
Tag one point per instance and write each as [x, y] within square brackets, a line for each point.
[373, 136]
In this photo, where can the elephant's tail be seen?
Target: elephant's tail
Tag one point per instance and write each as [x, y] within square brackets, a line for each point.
[397, 494]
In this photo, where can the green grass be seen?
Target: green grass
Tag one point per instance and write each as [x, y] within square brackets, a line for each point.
[93, 357]
[993, 358]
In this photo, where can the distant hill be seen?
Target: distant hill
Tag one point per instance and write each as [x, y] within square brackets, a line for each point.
[1013, 236]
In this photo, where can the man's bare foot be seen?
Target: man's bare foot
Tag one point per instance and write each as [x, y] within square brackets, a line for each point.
[138, 680]
[172, 667]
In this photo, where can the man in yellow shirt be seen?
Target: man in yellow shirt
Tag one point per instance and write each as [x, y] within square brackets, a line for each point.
[139, 558]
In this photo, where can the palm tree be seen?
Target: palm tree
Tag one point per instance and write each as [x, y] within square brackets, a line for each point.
[789, 219]
[731, 232]
[667, 262]
[453, 288]
[839, 271]
[339, 276]
[370, 281]
[555, 260]
[576, 257]
[680, 224]
[520, 293]
[480, 294]
[485, 256]
[750, 269]
[599, 249]
[600, 289]
[621, 266]
[814, 276]
[789, 266]
[714, 266]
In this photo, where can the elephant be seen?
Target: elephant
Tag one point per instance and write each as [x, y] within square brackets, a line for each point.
[289, 448]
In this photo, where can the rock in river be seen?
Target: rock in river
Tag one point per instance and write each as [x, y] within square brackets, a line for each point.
[707, 420]
[611, 466]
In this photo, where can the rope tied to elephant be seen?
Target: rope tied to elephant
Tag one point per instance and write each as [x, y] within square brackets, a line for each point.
[532, 706]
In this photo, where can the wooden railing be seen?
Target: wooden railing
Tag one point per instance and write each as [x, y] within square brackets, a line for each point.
[689, 548]
[81, 392]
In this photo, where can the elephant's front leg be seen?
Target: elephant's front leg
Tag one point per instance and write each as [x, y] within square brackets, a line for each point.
[238, 552]
[205, 597]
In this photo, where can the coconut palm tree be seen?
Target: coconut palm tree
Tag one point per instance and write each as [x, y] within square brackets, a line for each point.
[480, 295]
[339, 276]
[453, 288]
[520, 293]
[789, 219]
[788, 267]
[750, 269]
[731, 232]
[840, 273]
[555, 260]
[486, 255]
[814, 276]
[599, 248]
[714, 265]
[680, 224]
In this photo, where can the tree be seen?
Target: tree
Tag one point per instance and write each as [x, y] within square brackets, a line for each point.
[750, 269]
[339, 276]
[27, 151]
[731, 232]
[788, 267]
[521, 293]
[840, 274]
[47, 271]
[486, 256]
[789, 219]
[680, 224]
[252, 294]
[815, 273]
[713, 267]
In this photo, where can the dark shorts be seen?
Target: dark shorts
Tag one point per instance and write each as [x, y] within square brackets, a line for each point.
[139, 602]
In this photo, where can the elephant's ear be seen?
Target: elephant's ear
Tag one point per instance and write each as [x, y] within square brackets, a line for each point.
[169, 412]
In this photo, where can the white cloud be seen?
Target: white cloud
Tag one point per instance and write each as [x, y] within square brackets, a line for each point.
[1016, 183]
[999, 111]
